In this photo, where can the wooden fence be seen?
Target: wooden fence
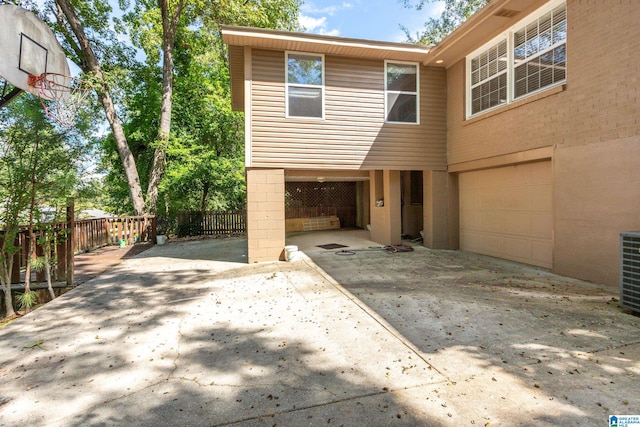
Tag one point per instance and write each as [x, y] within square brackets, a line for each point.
[197, 223]
[59, 252]
[94, 233]
[87, 235]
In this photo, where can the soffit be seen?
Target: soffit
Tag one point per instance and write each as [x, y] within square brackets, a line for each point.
[490, 21]
[328, 45]
[236, 70]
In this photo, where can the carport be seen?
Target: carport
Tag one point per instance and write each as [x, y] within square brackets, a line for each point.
[321, 200]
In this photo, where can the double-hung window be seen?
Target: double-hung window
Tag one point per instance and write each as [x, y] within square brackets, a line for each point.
[402, 81]
[305, 85]
[540, 52]
[530, 57]
[489, 78]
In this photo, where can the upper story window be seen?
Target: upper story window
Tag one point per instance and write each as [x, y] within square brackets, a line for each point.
[402, 81]
[531, 56]
[305, 85]
[540, 52]
[489, 78]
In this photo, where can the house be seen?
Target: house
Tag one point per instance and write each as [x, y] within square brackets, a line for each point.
[516, 137]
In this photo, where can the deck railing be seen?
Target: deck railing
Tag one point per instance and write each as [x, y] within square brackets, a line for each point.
[88, 234]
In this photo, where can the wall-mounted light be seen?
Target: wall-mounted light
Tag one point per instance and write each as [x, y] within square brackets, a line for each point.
[321, 179]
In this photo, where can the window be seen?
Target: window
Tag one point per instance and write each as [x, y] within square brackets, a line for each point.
[540, 52]
[489, 78]
[401, 92]
[531, 56]
[305, 85]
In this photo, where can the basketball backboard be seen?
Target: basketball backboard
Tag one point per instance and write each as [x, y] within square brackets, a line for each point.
[27, 47]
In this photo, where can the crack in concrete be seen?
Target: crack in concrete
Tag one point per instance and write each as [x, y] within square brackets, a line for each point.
[324, 404]
[377, 318]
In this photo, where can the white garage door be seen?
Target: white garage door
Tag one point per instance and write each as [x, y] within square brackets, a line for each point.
[507, 213]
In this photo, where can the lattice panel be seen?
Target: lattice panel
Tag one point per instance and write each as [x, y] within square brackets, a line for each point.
[314, 199]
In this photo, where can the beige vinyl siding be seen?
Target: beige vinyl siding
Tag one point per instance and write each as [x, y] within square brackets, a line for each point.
[353, 134]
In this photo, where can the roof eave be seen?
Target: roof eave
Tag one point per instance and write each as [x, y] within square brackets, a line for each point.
[488, 22]
[314, 43]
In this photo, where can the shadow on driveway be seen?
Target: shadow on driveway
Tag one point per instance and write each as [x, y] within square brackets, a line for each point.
[517, 341]
[189, 334]
[166, 339]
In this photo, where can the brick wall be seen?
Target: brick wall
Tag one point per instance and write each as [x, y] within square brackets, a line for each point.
[593, 126]
[600, 102]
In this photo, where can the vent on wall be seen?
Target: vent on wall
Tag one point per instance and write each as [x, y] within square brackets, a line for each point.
[630, 270]
[506, 13]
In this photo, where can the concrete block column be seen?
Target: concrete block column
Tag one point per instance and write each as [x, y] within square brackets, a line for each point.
[386, 220]
[438, 210]
[265, 214]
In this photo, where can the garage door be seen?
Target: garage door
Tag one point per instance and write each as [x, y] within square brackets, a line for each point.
[507, 213]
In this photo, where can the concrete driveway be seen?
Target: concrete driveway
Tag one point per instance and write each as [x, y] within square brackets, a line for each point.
[517, 345]
[188, 334]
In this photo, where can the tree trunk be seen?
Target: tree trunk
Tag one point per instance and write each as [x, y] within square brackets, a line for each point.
[32, 254]
[205, 196]
[27, 274]
[7, 269]
[169, 27]
[47, 263]
[92, 65]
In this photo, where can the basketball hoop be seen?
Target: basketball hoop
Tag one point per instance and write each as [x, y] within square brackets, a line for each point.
[61, 96]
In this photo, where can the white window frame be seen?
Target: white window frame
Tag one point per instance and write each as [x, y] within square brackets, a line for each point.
[416, 93]
[509, 36]
[287, 85]
[470, 85]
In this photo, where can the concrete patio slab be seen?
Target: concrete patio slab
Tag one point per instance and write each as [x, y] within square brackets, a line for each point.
[189, 334]
[517, 343]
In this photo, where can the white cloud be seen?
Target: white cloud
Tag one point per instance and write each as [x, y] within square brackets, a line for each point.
[334, 32]
[436, 10]
[331, 10]
[317, 25]
[310, 23]
[317, 19]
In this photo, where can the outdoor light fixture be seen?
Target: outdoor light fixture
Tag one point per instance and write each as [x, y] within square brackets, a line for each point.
[321, 179]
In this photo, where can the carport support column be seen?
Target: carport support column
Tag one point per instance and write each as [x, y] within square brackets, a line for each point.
[437, 209]
[386, 220]
[265, 214]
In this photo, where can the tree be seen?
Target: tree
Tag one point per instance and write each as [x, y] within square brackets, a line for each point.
[203, 17]
[82, 50]
[38, 164]
[201, 118]
[154, 25]
[454, 14]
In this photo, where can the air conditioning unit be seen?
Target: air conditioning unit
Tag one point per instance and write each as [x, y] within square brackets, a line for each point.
[630, 270]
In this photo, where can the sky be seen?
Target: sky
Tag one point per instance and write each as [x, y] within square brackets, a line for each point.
[378, 20]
